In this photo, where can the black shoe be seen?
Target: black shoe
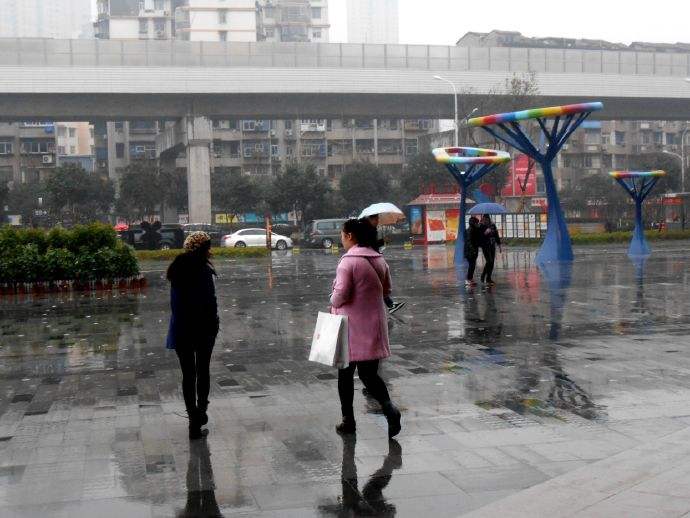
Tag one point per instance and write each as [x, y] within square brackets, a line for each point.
[396, 306]
[348, 426]
[393, 417]
[394, 457]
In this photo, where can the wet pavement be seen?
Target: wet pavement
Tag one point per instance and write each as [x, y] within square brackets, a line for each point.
[550, 373]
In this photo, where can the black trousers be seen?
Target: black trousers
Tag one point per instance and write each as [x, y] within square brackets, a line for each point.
[489, 258]
[195, 362]
[368, 373]
[471, 266]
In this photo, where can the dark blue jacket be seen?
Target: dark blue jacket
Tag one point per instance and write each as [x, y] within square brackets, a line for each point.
[194, 310]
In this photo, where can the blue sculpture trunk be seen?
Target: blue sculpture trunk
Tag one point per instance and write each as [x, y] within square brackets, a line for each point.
[638, 245]
[557, 245]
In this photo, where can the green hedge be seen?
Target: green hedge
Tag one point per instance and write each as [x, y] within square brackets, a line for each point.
[169, 255]
[84, 253]
[611, 237]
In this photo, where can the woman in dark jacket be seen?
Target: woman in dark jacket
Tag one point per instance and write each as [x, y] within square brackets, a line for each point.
[473, 241]
[194, 324]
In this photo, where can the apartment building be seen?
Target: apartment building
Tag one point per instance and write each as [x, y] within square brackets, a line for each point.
[135, 19]
[261, 147]
[373, 21]
[216, 20]
[27, 151]
[292, 20]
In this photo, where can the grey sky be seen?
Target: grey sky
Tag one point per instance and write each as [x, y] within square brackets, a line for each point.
[442, 22]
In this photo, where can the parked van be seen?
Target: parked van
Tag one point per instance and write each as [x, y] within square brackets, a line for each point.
[323, 233]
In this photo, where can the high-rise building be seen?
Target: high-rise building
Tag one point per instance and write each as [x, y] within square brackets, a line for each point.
[135, 19]
[216, 20]
[44, 18]
[292, 20]
[373, 21]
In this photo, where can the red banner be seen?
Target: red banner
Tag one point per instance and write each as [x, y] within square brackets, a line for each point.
[522, 180]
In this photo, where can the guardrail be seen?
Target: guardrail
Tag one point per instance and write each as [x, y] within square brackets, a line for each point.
[167, 53]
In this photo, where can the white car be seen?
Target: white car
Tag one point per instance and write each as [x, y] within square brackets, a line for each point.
[254, 237]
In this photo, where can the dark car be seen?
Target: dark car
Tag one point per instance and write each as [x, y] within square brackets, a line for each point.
[171, 237]
[323, 233]
[212, 230]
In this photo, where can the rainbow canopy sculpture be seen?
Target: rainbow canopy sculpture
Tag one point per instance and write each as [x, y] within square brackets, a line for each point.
[566, 119]
[638, 185]
[467, 165]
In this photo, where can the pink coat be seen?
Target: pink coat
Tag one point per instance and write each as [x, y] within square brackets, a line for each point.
[361, 281]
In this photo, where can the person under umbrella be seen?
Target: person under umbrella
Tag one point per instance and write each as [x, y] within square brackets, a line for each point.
[385, 214]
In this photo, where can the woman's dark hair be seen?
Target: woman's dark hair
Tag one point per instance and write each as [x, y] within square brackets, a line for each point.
[363, 232]
[190, 262]
[474, 220]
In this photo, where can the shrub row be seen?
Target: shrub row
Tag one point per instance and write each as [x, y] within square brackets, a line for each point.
[84, 253]
[169, 255]
[611, 237]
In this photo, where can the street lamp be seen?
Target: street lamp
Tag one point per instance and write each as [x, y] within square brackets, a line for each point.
[682, 165]
[455, 98]
[682, 172]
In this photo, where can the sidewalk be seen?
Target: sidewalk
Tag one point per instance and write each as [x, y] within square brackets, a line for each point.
[652, 479]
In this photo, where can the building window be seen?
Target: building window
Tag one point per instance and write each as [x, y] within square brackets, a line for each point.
[159, 5]
[411, 147]
[119, 150]
[62, 131]
[316, 13]
[5, 148]
[119, 127]
[91, 132]
[268, 11]
[61, 150]
[275, 150]
[316, 34]
[223, 36]
[270, 32]
[143, 26]
[72, 132]
[93, 150]
[288, 124]
[222, 16]
[248, 125]
[620, 138]
[72, 150]
[37, 147]
[670, 139]
[159, 28]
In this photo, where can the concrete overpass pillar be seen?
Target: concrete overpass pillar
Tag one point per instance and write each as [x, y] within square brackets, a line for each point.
[198, 147]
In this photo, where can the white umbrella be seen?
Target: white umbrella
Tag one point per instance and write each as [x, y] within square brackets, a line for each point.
[388, 213]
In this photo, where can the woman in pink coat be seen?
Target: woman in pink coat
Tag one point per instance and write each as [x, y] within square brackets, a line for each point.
[361, 282]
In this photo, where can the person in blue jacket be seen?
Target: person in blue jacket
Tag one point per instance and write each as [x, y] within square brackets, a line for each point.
[194, 324]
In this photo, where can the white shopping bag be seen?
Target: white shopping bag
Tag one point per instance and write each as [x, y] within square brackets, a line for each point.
[330, 344]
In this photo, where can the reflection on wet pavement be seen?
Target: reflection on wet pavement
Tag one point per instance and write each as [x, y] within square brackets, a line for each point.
[500, 388]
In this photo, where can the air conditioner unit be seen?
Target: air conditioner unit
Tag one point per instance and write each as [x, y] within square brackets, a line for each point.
[288, 133]
[273, 133]
[47, 159]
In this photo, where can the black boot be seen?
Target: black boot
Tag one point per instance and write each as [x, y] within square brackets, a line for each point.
[348, 426]
[195, 431]
[203, 416]
[393, 417]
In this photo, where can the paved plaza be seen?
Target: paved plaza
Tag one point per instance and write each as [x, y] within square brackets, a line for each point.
[562, 391]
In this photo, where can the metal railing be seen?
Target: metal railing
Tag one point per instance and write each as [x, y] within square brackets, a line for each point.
[166, 53]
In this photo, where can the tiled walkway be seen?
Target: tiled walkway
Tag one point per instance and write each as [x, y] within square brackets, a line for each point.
[560, 391]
